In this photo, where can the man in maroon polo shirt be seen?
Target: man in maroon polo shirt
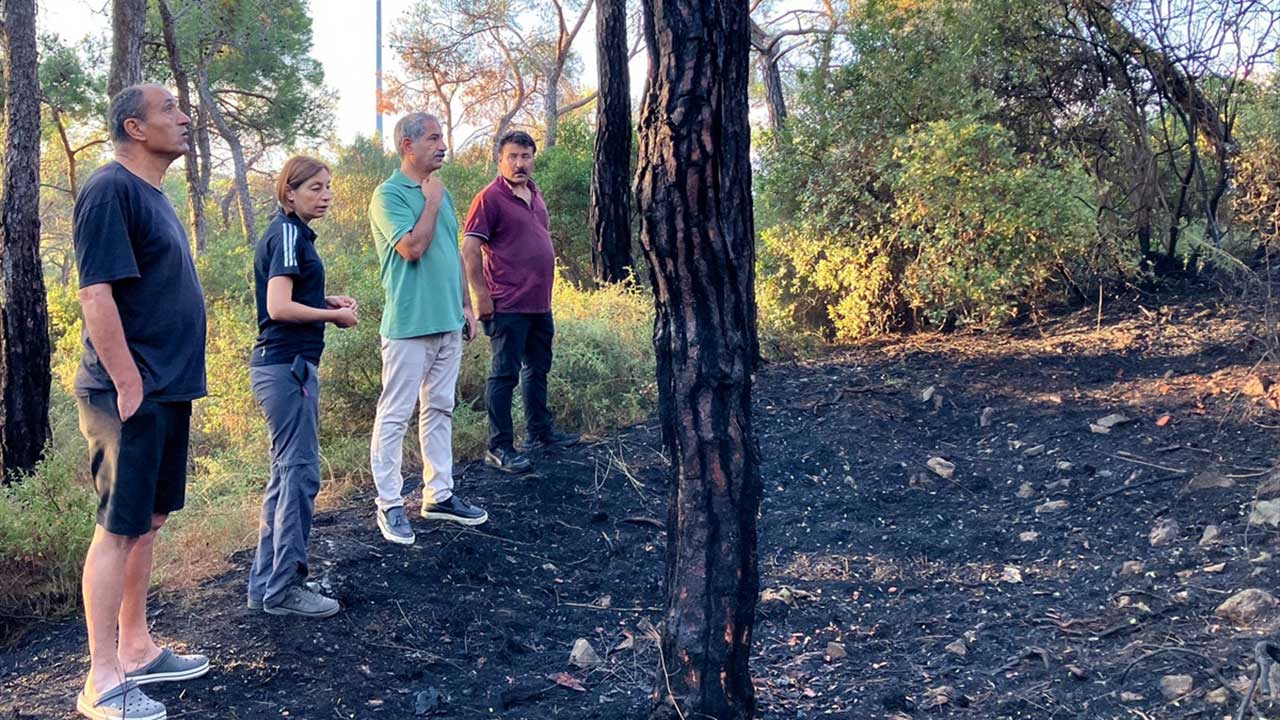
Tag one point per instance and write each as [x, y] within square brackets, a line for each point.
[511, 267]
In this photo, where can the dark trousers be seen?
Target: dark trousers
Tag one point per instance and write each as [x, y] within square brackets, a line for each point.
[521, 345]
[290, 398]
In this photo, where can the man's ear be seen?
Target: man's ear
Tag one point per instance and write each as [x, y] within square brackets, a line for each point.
[133, 128]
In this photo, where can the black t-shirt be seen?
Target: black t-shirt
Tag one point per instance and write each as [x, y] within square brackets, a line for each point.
[288, 248]
[126, 233]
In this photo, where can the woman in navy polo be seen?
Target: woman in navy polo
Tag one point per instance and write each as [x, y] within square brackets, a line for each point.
[288, 278]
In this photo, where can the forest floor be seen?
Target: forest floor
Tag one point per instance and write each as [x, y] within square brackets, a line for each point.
[1059, 572]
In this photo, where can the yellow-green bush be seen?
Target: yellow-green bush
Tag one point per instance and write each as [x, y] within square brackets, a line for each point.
[46, 521]
[972, 230]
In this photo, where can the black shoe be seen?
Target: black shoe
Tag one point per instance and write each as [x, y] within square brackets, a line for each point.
[455, 509]
[553, 438]
[507, 460]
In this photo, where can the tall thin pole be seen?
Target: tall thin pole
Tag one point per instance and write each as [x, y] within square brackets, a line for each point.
[379, 72]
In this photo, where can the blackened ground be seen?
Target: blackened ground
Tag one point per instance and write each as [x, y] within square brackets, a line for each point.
[873, 564]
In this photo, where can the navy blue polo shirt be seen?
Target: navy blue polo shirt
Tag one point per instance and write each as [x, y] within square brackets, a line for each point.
[126, 234]
[287, 248]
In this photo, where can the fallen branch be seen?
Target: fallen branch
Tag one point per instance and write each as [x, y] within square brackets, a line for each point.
[637, 520]
[1130, 457]
[1134, 486]
[1214, 670]
[1027, 654]
[1266, 654]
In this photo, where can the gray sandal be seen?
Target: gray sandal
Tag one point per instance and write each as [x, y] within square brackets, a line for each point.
[170, 667]
[125, 701]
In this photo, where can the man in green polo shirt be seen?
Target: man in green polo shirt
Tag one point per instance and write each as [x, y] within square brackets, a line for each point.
[425, 320]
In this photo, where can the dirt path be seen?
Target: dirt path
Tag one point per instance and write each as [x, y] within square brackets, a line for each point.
[892, 591]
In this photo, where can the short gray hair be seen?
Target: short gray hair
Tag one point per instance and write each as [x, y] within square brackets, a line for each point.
[130, 102]
[412, 126]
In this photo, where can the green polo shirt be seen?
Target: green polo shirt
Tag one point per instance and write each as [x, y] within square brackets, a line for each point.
[424, 297]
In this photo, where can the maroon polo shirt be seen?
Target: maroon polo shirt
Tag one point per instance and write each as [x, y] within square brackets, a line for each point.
[519, 261]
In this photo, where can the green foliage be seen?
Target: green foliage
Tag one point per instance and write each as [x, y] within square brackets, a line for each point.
[919, 184]
[982, 227]
[465, 179]
[1258, 165]
[258, 57]
[46, 522]
[973, 230]
[70, 82]
[226, 267]
[564, 176]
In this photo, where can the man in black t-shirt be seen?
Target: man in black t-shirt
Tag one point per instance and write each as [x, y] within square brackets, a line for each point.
[143, 364]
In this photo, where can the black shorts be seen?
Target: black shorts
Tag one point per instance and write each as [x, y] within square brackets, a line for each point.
[139, 466]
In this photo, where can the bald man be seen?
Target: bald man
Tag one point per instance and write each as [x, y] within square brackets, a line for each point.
[143, 364]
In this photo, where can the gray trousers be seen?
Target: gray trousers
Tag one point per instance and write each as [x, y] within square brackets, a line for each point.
[422, 370]
[292, 406]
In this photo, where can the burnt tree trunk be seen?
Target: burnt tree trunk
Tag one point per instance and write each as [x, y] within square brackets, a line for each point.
[611, 171]
[195, 189]
[26, 373]
[693, 187]
[128, 23]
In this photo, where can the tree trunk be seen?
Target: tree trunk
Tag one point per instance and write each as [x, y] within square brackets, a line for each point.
[68, 151]
[611, 171]
[774, 99]
[237, 156]
[195, 191]
[26, 373]
[128, 23]
[205, 147]
[552, 108]
[693, 187]
[1200, 114]
[446, 111]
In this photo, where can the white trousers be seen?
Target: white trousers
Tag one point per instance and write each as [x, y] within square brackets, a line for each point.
[422, 370]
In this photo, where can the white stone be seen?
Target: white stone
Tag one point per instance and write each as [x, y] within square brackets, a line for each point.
[1247, 606]
[942, 468]
[1164, 533]
[583, 655]
[1211, 535]
[1175, 686]
[1265, 512]
[1052, 506]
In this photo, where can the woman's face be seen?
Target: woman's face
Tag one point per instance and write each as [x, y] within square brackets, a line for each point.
[311, 199]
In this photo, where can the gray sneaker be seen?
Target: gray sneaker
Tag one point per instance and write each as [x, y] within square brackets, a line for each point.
[298, 600]
[395, 527]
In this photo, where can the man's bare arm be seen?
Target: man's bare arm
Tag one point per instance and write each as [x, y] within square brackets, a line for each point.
[413, 245]
[473, 267]
[106, 332]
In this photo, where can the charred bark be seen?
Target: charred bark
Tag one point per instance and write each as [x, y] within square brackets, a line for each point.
[26, 373]
[693, 187]
[611, 171]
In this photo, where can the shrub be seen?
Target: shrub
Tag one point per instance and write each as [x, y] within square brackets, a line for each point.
[984, 228]
[973, 230]
[46, 522]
